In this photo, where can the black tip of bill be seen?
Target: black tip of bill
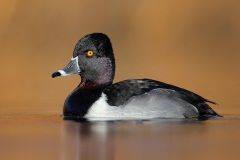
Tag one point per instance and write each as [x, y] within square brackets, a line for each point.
[55, 74]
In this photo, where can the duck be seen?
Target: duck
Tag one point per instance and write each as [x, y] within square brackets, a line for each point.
[96, 97]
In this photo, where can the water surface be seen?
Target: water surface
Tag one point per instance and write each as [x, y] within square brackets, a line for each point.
[49, 137]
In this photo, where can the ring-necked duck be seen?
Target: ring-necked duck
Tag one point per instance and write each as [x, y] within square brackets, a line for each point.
[96, 97]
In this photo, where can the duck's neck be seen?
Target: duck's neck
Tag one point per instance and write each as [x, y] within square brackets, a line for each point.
[81, 99]
[92, 85]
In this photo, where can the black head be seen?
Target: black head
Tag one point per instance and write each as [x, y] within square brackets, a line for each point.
[93, 59]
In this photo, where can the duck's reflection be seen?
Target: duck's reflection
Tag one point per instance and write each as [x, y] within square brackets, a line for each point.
[87, 141]
[99, 140]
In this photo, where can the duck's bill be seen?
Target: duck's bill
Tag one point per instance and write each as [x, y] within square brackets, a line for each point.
[71, 68]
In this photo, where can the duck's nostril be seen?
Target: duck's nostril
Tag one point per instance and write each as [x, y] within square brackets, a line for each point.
[55, 74]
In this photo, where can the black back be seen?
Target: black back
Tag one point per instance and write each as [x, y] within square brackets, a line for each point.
[121, 92]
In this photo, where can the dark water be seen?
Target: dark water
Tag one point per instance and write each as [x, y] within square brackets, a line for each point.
[49, 137]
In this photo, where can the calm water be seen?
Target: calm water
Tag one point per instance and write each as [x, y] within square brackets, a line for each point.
[49, 137]
[191, 44]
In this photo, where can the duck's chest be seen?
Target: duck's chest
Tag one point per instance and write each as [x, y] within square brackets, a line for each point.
[79, 102]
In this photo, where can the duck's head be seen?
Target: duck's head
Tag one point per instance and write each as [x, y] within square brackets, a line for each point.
[93, 59]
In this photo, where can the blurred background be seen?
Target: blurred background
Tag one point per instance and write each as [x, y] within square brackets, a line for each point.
[191, 44]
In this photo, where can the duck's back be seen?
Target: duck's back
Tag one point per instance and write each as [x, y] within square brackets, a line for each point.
[157, 98]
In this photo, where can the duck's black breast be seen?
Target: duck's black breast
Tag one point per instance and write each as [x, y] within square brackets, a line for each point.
[119, 93]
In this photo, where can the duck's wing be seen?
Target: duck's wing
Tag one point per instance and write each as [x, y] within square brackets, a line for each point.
[120, 93]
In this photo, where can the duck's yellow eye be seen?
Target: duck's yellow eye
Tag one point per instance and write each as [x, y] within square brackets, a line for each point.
[90, 53]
